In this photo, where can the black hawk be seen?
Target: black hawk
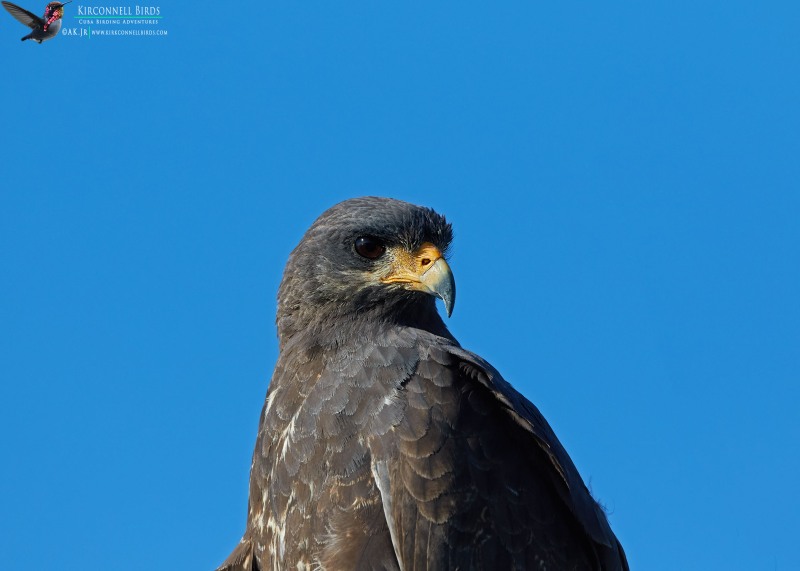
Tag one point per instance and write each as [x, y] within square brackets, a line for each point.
[382, 444]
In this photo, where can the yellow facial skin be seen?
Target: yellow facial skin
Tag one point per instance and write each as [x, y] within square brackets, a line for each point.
[424, 270]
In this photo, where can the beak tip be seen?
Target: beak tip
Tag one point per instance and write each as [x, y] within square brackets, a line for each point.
[438, 281]
[443, 285]
[447, 293]
[448, 305]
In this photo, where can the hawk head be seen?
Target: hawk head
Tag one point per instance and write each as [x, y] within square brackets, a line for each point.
[365, 263]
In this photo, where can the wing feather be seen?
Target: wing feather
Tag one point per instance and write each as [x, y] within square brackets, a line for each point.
[241, 559]
[481, 482]
[23, 16]
[529, 418]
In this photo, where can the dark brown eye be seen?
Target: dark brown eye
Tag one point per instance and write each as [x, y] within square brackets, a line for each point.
[369, 248]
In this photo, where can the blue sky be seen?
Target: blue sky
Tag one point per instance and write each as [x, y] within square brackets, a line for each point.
[634, 166]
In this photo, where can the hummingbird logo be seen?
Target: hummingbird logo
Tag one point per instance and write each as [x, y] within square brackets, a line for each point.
[44, 28]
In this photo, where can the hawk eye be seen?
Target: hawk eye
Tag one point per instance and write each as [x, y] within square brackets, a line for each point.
[370, 248]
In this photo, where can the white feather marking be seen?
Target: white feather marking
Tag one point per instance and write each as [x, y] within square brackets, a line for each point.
[380, 472]
[286, 434]
[275, 537]
[271, 398]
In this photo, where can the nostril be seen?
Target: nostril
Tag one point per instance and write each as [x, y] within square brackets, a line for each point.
[425, 262]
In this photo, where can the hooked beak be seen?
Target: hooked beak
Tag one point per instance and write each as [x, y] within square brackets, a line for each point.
[424, 270]
[439, 281]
